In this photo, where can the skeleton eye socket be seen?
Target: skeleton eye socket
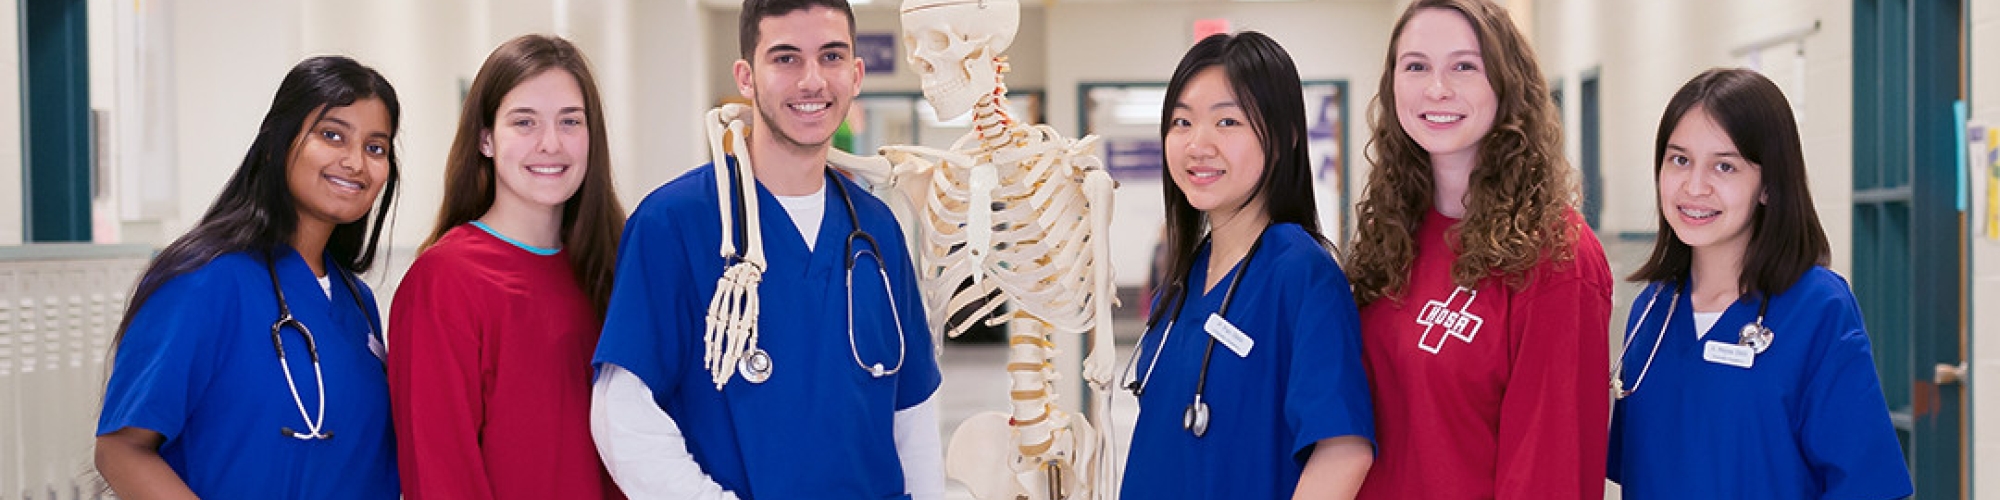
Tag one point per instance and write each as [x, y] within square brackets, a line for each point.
[937, 40]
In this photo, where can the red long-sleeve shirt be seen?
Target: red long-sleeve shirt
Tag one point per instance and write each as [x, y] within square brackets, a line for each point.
[489, 374]
[1491, 392]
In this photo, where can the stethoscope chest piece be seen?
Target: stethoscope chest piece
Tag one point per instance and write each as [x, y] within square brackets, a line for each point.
[755, 366]
[1756, 336]
[1195, 419]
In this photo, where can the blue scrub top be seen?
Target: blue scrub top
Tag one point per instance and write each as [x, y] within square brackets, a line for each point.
[197, 366]
[821, 427]
[1303, 380]
[1806, 420]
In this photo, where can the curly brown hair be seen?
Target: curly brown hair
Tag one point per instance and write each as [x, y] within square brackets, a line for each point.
[1518, 194]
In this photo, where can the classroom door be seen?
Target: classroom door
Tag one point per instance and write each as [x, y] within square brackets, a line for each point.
[1908, 249]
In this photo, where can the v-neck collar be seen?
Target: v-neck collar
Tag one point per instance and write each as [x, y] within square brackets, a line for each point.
[1727, 329]
[783, 243]
[305, 298]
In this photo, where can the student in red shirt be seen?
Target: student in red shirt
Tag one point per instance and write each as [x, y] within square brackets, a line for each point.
[1485, 299]
[493, 327]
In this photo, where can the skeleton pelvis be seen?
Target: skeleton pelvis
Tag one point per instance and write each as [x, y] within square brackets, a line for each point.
[984, 456]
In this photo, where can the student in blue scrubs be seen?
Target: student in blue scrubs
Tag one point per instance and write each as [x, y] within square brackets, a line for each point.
[201, 403]
[1746, 371]
[1249, 376]
[833, 395]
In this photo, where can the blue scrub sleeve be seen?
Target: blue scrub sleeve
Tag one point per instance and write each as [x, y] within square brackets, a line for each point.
[1846, 435]
[166, 359]
[649, 302]
[1326, 394]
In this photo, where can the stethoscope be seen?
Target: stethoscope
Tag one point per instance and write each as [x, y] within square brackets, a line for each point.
[1195, 418]
[756, 364]
[1754, 335]
[314, 425]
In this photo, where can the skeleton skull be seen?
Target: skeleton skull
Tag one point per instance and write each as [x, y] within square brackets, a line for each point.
[953, 44]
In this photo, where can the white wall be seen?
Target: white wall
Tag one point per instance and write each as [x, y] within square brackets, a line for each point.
[229, 55]
[1984, 429]
[228, 58]
[10, 123]
[670, 94]
[1327, 40]
[1654, 47]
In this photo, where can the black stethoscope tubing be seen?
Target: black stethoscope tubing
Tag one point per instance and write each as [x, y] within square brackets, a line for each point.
[757, 363]
[1195, 418]
[313, 426]
[849, 256]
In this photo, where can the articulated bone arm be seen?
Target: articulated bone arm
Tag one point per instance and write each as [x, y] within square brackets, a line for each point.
[1098, 367]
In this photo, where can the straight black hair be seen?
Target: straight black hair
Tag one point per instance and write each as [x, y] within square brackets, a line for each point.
[1266, 84]
[255, 210]
[1786, 239]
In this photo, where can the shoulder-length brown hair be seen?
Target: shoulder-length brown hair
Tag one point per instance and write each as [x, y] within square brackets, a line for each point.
[1785, 236]
[592, 218]
[1519, 192]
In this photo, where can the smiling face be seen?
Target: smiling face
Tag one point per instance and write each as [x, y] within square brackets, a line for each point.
[1213, 153]
[1709, 192]
[1443, 97]
[338, 164]
[802, 79]
[540, 143]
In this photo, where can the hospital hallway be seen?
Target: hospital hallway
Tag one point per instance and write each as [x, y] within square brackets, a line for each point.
[121, 123]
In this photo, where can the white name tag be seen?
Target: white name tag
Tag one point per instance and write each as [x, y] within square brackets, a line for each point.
[1726, 353]
[1229, 335]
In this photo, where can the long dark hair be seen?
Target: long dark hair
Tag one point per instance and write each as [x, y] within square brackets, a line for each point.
[1785, 236]
[592, 219]
[1517, 197]
[1266, 84]
[255, 210]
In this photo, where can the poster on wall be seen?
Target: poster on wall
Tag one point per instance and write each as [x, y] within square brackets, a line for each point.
[877, 52]
[1133, 157]
[1983, 178]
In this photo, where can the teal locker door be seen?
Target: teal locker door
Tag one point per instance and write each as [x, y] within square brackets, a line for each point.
[55, 115]
[1908, 258]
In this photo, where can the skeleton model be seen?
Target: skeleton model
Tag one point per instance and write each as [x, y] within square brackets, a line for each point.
[1015, 209]
[1019, 211]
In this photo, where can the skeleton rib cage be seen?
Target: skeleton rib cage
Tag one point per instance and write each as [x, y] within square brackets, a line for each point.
[1030, 243]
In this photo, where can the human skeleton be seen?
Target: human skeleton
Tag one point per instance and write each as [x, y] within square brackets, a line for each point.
[1015, 209]
[1020, 212]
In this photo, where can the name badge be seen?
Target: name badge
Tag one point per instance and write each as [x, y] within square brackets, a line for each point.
[1229, 335]
[1740, 356]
